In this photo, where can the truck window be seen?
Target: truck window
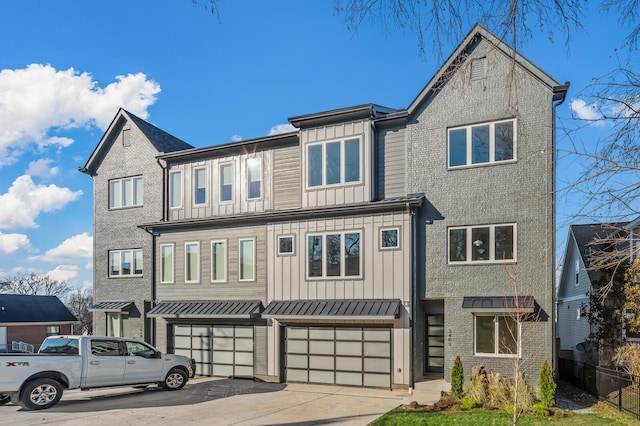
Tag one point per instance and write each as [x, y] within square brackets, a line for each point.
[106, 348]
[59, 346]
[138, 349]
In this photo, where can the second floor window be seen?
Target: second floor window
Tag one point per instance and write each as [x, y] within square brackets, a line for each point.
[246, 248]
[334, 255]
[192, 262]
[482, 143]
[125, 263]
[226, 182]
[218, 261]
[199, 186]
[488, 243]
[175, 189]
[125, 192]
[166, 263]
[254, 178]
[333, 163]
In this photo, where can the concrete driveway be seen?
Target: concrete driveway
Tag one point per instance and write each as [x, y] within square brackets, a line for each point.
[215, 402]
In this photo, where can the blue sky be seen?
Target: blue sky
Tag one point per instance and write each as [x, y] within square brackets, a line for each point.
[67, 66]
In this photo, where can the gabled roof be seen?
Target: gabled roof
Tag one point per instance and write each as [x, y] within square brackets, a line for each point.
[16, 309]
[162, 141]
[457, 57]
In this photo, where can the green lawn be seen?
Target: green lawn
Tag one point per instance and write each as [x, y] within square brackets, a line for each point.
[603, 415]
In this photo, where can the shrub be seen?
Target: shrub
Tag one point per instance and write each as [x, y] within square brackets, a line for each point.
[525, 396]
[497, 391]
[457, 378]
[539, 409]
[478, 385]
[546, 386]
[468, 403]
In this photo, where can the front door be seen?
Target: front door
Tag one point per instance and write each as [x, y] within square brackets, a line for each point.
[435, 343]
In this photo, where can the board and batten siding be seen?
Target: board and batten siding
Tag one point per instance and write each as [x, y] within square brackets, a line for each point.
[338, 194]
[287, 178]
[391, 161]
[233, 288]
[213, 206]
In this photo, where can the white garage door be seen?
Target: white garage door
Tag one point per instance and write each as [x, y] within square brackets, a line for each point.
[336, 355]
[219, 350]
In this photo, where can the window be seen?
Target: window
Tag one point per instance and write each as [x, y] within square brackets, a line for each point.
[126, 137]
[285, 245]
[246, 250]
[333, 163]
[140, 349]
[199, 186]
[218, 261]
[125, 192]
[334, 255]
[577, 272]
[496, 335]
[106, 348]
[166, 263]
[175, 189]
[192, 262]
[490, 243]
[389, 238]
[254, 178]
[125, 263]
[226, 182]
[53, 330]
[482, 143]
[117, 324]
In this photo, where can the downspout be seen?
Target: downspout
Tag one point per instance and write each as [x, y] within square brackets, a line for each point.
[559, 96]
[414, 297]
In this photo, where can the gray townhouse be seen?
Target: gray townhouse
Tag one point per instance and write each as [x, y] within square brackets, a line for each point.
[368, 247]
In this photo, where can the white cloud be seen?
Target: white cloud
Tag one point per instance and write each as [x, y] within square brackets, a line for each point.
[42, 168]
[10, 243]
[236, 138]
[585, 111]
[63, 273]
[25, 200]
[78, 247]
[38, 99]
[281, 128]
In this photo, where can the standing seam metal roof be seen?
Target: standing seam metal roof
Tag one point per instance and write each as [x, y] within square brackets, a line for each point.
[333, 308]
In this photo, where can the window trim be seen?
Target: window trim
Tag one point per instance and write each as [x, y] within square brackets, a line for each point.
[492, 242]
[173, 263]
[496, 331]
[172, 188]
[293, 245]
[253, 273]
[206, 186]
[342, 182]
[132, 269]
[197, 274]
[380, 239]
[220, 182]
[342, 275]
[492, 152]
[120, 182]
[226, 258]
[258, 161]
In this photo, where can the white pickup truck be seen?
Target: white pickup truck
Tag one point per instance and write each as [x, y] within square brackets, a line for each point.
[36, 381]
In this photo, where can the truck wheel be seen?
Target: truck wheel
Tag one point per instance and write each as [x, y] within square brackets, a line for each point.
[176, 379]
[4, 399]
[39, 394]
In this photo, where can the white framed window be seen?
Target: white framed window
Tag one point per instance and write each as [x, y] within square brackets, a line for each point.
[389, 238]
[118, 324]
[218, 261]
[192, 262]
[496, 335]
[175, 189]
[577, 271]
[199, 186]
[334, 163]
[166, 263]
[247, 259]
[53, 330]
[286, 245]
[126, 192]
[483, 244]
[254, 178]
[334, 254]
[125, 263]
[485, 143]
[226, 182]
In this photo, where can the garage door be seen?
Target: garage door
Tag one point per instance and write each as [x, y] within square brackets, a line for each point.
[219, 350]
[336, 355]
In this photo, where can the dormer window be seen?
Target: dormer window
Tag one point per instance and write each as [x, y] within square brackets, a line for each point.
[333, 163]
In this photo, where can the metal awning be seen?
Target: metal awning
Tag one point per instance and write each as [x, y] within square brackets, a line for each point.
[112, 306]
[349, 309]
[499, 303]
[207, 309]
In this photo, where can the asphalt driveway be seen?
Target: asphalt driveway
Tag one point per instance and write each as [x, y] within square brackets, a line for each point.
[214, 402]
